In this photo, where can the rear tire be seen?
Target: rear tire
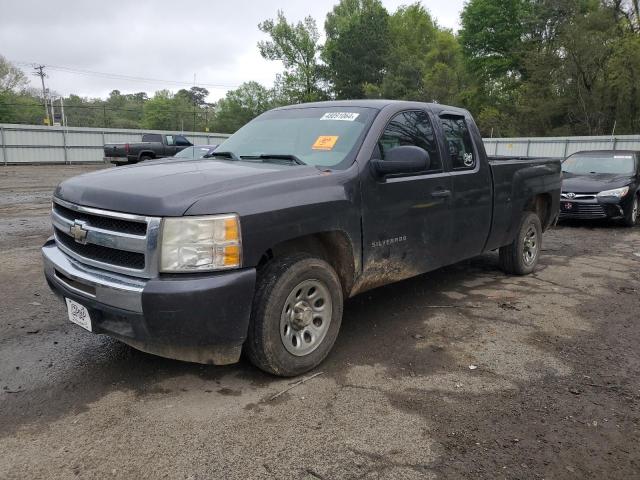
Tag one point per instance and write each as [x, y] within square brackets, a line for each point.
[521, 256]
[631, 213]
[296, 315]
[144, 158]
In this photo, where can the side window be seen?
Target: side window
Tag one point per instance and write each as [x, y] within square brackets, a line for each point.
[459, 143]
[182, 141]
[152, 137]
[170, 140]
[411, 128]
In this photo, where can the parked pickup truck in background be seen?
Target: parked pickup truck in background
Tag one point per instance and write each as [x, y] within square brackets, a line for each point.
[153, 145]
[601, 184]
[257, 248]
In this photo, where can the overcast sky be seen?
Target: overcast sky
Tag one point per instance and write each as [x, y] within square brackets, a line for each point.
[164, 40]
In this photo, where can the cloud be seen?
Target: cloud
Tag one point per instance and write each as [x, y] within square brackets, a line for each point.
[158, 39]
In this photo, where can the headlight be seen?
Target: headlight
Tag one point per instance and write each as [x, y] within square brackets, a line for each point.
[195, 244]
[615, 193]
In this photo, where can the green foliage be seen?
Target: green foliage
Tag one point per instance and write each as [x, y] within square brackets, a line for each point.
[356, 48]
[158, 111]
[241, 105]
[411, 35]
[297, 47]
[491, 35]
[12, 79]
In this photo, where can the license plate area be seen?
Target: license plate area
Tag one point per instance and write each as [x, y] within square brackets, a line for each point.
[78, 314]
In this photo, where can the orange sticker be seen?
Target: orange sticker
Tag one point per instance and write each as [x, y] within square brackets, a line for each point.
[325, 142]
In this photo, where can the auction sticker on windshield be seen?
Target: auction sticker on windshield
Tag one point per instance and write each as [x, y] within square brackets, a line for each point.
[345, 116]
[78, 314]
[325, 142]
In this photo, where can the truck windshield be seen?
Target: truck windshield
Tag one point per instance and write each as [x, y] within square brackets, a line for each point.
[613, 163]
[318, 136]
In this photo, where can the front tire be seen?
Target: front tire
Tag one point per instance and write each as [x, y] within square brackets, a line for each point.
[631, 213]
[296, 315]
[521, 256]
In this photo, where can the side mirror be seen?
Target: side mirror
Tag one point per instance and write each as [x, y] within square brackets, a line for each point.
[402, 160]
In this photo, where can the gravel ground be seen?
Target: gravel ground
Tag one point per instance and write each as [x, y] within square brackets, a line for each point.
[555, 393]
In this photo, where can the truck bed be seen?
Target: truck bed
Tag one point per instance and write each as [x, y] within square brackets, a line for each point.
[515, 180]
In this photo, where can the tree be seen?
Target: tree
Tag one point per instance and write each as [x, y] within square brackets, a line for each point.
[491, 35]
[445, 79]
[424, 63]
[241, 105]
[411, 35]
[297, 47]
[159, 112]
[356, 48]
[12, 79]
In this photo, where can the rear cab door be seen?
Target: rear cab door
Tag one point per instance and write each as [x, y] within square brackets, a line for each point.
[472, 184]
[406, 220]
[169, 147]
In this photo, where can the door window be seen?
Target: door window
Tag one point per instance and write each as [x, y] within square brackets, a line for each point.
[152, 137]
[459, 143]
[411, 128]
[182, 141]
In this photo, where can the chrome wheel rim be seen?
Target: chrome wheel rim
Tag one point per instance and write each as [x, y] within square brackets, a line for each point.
[634, 210]
[305, 318]
[530, 250]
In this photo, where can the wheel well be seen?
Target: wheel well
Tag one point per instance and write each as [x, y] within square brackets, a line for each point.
[334, 247]
[541, 205]
[146, 154]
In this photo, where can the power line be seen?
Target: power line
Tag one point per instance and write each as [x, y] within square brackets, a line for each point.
[163, 108]
[118, 76]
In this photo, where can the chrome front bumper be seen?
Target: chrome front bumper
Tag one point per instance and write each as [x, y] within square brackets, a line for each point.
[107, 288]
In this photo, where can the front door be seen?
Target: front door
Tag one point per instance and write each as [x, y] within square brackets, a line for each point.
[406, 219]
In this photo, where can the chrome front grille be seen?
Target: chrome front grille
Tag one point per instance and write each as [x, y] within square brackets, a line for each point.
[114, 241]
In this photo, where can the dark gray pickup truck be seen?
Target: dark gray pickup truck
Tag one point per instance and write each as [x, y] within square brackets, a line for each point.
[256, 249]
[153, 145]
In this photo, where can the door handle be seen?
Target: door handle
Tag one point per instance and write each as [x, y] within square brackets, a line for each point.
[441, 194]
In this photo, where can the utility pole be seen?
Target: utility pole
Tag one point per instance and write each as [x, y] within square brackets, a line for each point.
[39, 71]
[64, 119]
[194, 102]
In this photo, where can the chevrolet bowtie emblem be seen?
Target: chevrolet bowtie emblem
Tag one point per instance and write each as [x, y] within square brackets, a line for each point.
[79, 232]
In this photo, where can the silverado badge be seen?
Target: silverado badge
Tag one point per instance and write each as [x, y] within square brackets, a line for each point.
[79, 232]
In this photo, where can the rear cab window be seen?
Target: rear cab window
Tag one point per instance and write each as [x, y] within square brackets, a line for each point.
[459, 142]
[152, 137]
[181, 140]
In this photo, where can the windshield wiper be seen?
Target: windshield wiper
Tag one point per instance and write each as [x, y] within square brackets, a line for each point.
[229, 155]
[275, 156]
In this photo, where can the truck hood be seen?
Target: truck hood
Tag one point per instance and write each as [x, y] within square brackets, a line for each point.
[170, 188]
[593, 183]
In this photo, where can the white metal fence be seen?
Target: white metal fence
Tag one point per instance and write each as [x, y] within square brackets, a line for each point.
[40, 144]
[558, 147]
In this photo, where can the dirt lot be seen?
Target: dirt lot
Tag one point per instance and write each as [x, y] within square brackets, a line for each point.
[555, 394]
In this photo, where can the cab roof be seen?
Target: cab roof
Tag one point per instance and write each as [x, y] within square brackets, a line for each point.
[377, 104]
